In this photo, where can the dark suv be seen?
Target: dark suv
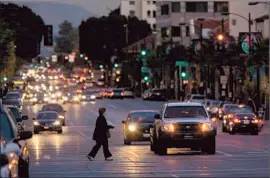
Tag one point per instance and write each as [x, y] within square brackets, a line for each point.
[183, 125]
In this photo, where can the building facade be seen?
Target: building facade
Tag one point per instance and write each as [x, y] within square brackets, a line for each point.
[142, 9]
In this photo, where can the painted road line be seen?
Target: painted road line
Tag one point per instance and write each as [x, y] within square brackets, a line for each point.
[226, 154]
[110, 123]
[257, 152]
[261, 150]
[112, 106]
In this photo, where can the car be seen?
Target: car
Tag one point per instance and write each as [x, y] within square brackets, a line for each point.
[57, 108]
[224, 109]
[116, 94]
[128, 93]
[155, 95]
[18, 118]
[183, 125]
[89, 95]
[213, 105]
[195, 98]
[47, 121]
[88, 83]
[39, 98]
[13, 102]
[100, 82]
[137, 125]
[71, 97]
[241, 119]
[10, 133]
[13, 95]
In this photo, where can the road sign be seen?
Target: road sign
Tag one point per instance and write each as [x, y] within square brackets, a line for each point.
[54, 58]
[71, 58]
[223, 79]
[181, 63]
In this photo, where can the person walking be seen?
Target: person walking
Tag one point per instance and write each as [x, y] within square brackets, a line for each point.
[101, 135]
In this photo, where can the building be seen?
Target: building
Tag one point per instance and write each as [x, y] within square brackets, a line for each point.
[142, 9]
[176, 19]
[258, 15]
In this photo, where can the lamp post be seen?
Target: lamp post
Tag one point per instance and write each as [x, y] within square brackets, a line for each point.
[268, 3]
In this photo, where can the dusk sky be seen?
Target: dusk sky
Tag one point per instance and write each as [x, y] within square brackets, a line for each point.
[98, 7]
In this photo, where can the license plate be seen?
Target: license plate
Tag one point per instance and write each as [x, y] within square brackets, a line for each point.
[46, 127]
[246, 122]
[117, 94]
[146, 135]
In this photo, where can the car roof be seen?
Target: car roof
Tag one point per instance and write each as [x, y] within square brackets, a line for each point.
[10, 106]
[12, 92]
[47, 112]
[137, 111]
[184, 104]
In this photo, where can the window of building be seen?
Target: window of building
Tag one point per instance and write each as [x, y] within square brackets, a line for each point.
[164, 32]
[165, 9]
[154, 2]
[221, 6]
[233, 22]
[176, 31]
[148, 2]
[131, 13]
[187, 31]
[148, 13]
[176, 7]
[154, 14]
[154, 27]
[132, 2]
[196, 7]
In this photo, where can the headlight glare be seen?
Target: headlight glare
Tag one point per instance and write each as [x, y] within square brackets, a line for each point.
[206, 127]
[169, 127]
[36, 123]
[57, 123]
[132, 127]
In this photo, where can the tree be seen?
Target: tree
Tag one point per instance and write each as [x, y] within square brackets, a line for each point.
[67, 39]
[10, 59]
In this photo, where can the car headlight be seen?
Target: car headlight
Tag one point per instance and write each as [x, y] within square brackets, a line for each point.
[36, 123]
[169, 127]
[84, 97]
[53, 96]
[35, 99]
[76, 98]
[59, 94]
[57, 123]
[65, 98]
[206, 127]
[61, 117]
[93, 97]
[255, 121]
[45, 99]
[132, 127]
[56, 78]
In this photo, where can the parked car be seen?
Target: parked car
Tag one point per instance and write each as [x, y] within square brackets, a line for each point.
[116, 94]
[195, 98]
[128, 93]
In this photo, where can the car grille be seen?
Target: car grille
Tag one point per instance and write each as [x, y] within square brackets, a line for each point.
[46, 123]
[188, 128]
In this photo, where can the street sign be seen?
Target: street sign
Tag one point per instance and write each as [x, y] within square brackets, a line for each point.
[181, 63]
[223, 79]
[54, 58]
[71, 58]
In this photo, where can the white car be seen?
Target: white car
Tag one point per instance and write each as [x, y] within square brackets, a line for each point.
[9, 159]
[196, 98]
[128, 93]
[100, 83]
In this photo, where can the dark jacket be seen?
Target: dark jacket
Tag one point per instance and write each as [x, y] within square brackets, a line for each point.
[101, 129]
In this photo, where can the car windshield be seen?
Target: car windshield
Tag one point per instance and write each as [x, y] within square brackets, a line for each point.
[89, 92]
[242, 110]
[13, 95]
[6, 127]
[198, 97]
[231, 106]
[16, 113]
[185, 112]
[47, 116]
[56, 108]
[143, 117]
[215, 103]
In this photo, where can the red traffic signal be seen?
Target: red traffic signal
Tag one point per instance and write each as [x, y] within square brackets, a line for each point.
[220, 37]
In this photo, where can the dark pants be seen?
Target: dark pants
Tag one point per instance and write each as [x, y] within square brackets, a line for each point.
[96, 148]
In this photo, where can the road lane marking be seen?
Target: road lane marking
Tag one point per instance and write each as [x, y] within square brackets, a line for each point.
[130, 152]
[81, 134]
[112, 106]
[173, 175]
[110, 123]
[261, 150]
[47, 157]
[226, 154]
[256, 152]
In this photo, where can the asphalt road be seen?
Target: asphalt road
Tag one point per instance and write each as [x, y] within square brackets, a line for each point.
[64, 155]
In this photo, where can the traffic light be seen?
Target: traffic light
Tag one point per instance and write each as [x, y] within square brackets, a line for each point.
[146, 78]
[5, 79]
[81, 55]
[143, 52]
[220, 37]
[116, 65]
[101, 66]
[48, 35]
[184, 74]
[86, 58]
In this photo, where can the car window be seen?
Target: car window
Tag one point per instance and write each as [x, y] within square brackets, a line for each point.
[230, 106]
[16, 113]
[13, 95]
[89, 92]
[143, 117]
[198, 97]
[185, 112]
[56, 108]
[242, 110]
[11, 115]
[6, 127]
[47, 116]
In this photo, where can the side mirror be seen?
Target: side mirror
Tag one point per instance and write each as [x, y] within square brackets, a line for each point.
[157, 116]
[25, 135]
[124, 122]
[24, 118]
[3, 160]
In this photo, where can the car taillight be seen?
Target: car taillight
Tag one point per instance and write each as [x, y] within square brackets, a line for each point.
[255, 121]
[236, 120]
[122, 93]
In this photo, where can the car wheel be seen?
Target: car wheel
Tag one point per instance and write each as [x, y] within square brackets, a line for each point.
[60, 131]
[161, 149]
[211, 146]
[36, 132]
[255, 132]
[127, 142]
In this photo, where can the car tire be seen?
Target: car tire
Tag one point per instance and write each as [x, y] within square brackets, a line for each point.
[255, 132]
[127, 142]
[36, 132]
[161, 149]
[60, 131]
[211, 146]
[224, 128]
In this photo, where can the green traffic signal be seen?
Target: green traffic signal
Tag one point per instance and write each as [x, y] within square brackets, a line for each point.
[101, 66]
[183, 74]
[5, 79]
[116, 65]
[81, 55]
[143, 52]
[146, 78]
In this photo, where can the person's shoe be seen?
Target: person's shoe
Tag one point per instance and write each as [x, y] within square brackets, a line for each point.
[109, 159]
[90, 158]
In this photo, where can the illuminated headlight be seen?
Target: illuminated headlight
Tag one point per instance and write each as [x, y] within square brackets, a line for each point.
[36, 123]
[169, 127]
[53, 95]
[132, 127]
[11, 155]
[57, 123]
[59, 94]
[208, 108]
[55, 77]
[65, 98]
[46, 99]
[35, 99]
[93, 97]
[206, 127]
[61, 117]
[83, 97]
[76, 98]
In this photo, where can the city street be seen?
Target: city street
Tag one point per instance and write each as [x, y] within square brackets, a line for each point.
[64, 155]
